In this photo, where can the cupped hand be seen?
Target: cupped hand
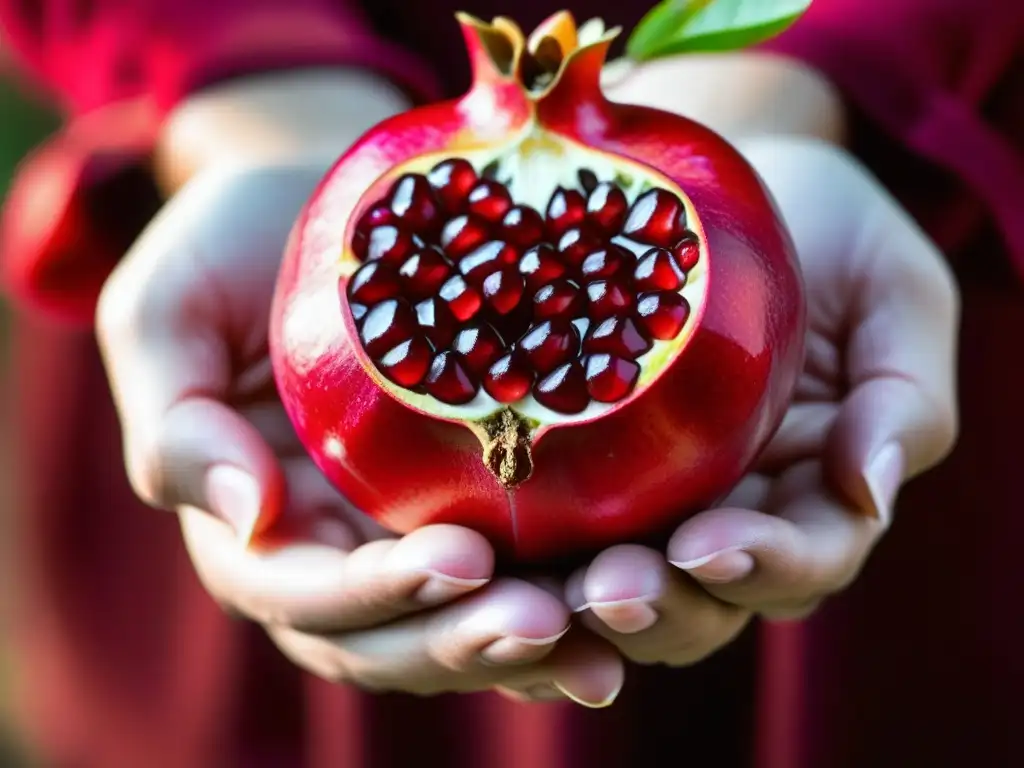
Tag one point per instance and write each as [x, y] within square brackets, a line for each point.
[875, 406]
[183, 328]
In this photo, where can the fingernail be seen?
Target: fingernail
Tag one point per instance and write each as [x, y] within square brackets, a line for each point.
[543, 692]
[883, 475]
[519, 650]
[441, 588]
[626, 617]
[234, 495]
[719, 567]
[586, 699]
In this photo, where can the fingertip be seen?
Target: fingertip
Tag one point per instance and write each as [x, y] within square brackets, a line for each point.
[623, 573]
[448, 551]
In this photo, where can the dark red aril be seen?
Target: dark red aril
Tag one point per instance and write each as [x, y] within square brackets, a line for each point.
[509, 379]
[448, 381]
[559, 298]
[358, 311]
[462, 234]
[452, 181]
[462, 299]
[564, 390]
[390, 244]
[377, 216]
[616, 336]
[576, 244]
[436, 321]
[413, 201]
[503, 289]
[656, 218]
[607, 298]
[480, 345]
[489, 200]
[386, 326]
[522, 226]
[657, 271]
[540, 265]
[548, 345]
[608, 261]
[606, 208]
[661, 315]
[424, 272]
[610, 378]
[488, 258]
[566, 209]
[687, 252]
[408, 363]
[374, 282]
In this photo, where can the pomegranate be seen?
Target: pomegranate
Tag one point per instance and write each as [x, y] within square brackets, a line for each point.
[562, 321]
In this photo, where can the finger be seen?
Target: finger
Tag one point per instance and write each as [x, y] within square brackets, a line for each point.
[806, 545]
[317, 587]
[650, 611]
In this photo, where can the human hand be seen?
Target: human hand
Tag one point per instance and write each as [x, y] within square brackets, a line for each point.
[876, 405]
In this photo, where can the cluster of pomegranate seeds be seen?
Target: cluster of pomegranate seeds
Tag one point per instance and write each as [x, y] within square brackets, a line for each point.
[462, 288]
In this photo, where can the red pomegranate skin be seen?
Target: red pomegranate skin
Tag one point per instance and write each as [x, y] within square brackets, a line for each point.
[670, 450]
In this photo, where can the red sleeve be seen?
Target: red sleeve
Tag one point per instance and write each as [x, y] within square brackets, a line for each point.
[116, 68]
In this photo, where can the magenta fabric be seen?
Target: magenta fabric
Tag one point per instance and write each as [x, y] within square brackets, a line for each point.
[128, 663]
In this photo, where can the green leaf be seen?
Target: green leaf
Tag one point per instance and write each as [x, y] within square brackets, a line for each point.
[683, 26]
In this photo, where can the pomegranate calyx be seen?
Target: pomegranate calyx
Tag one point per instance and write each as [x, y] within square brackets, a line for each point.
[507, 438]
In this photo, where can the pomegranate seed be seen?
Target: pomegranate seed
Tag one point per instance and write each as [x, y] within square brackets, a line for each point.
[374, 282]
[448, 381]
[488, 258]
[480, 345]
[576, 244]
[489, 200]
[522, 226]
[687, 252]
[656, 218]
[609, 378]
[550, 344]
[386, 326]
[564, 390]
[389, 244]
[503, 289]
[540, 265]
[657, 271]
[582, 324]
[358, 311]
[436, 321]
[412, 200]
[559, 298]
[566, 209]
[509, 379]
[452, 180]
[606, 208]
[462, 299]
[616, 336]
[408, 363]
[606, 262]
[424, 273]
[662, 315]
[462, 234]
[607, 298]
[378, 215]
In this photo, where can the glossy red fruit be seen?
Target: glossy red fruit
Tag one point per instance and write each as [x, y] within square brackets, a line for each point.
[503, 290]
[422, 274]
[657, 271]
[562, 444]
[559, 298]
[413, 201]
[488, 258]
[374, 282]
[522, 226]
[607, 262]
[463, 234]
[479, 345]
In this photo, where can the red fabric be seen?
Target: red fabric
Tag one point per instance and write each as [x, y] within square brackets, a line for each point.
[128, 663]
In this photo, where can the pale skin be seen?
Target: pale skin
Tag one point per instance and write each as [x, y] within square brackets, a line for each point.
[425, 613]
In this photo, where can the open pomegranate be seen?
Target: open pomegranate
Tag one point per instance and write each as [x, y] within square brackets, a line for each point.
[558, 320]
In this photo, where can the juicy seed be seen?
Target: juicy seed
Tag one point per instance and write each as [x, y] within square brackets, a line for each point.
[377, 216]
[509, 379]
[522, 226]
[576, 244]
[609, 379]
[607, 298]
[550, 344]
[386, 326]
[687, 252]
[462, 234]
[488, 258]
[358, 311]
[616, 336]
[412, 200]
[559, 298]
[408, 363]
[389, 244]
[657, 271]
[373, 282]
[540, 265]
[489, 200]
[656, 218]
[462, 299]
[436, 321]
[424, 273]
[607, 262]
[606, 208]
[564, 390]
[566, 209]
[452, 180]
[479, 345]
[448, 381]
[503, 290]
[662, 315]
